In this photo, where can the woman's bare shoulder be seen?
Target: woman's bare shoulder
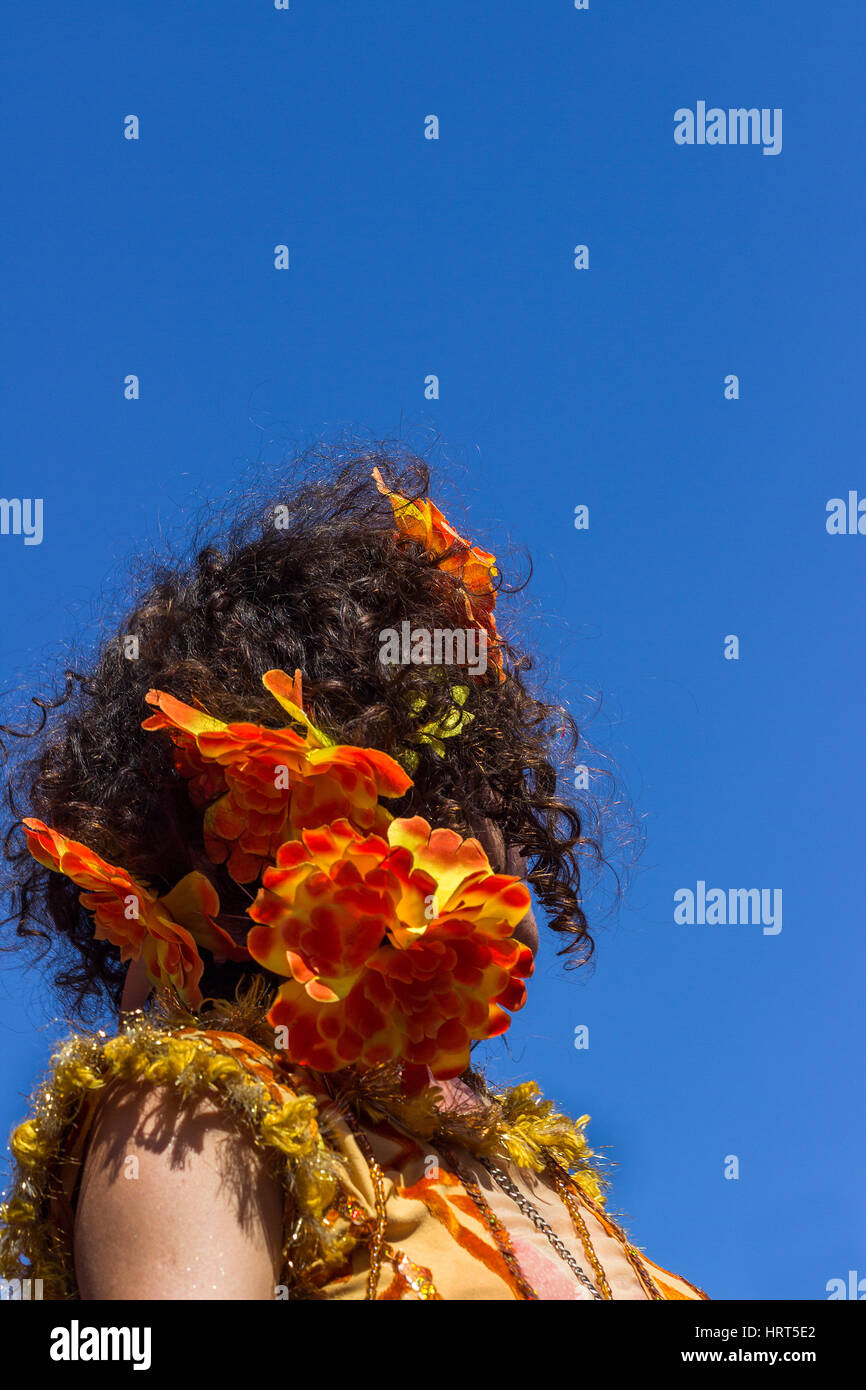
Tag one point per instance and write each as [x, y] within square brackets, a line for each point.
[175, 1202]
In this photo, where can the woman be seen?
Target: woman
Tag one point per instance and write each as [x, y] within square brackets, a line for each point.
[286, 824]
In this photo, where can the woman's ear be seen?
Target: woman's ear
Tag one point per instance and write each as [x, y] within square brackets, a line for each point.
[507, 859]
[137, 987]
[492, 841]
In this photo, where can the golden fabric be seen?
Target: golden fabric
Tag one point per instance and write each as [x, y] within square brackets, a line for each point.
[436, 1243]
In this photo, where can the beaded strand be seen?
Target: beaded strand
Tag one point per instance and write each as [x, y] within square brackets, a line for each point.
[495, 1226]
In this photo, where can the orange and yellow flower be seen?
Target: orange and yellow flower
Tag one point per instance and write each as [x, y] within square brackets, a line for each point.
[164, 932]
[421, 520]
[396, 947]
[272, 783]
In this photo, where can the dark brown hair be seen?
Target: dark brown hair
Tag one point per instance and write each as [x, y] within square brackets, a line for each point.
[314, 593]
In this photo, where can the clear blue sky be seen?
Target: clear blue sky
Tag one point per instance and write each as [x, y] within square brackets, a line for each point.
[558, 387]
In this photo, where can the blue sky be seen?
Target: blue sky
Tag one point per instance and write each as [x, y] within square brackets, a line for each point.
[558, 387]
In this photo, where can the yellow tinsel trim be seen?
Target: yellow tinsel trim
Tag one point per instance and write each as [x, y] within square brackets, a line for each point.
[517, 1123]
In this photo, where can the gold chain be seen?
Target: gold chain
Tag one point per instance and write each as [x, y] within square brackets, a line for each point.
[497, 1229]
[572, 1206]
[377, 1236]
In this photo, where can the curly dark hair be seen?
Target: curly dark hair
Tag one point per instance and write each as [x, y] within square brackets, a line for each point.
[308, 579]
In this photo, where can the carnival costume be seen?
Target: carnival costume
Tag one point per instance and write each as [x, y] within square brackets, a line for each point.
[405, 1176]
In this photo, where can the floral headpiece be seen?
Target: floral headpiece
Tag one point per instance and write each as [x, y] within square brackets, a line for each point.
[394, 938]
[475, 568]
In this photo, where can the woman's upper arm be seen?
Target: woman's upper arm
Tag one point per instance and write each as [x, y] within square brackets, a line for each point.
[175, 1202]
